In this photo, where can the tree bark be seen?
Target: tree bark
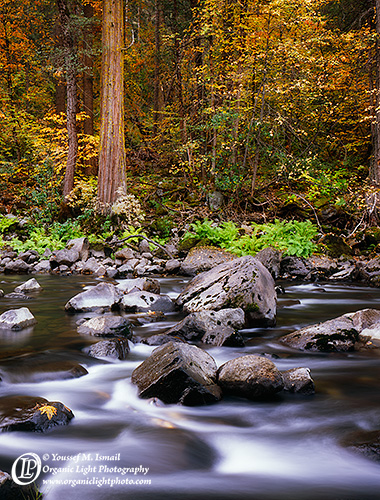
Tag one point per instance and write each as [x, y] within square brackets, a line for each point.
[69, 47]
[157, 58]
[112, 148]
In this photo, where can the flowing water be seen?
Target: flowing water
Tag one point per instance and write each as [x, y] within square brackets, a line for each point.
[289, 448]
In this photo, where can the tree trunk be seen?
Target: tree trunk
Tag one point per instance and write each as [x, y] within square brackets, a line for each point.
[69, 47]
[112, 148]
[157, 57]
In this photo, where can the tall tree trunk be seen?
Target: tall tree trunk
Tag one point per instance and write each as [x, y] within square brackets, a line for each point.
[112, 148]
[60, 87]
[88, 88]
[157, 57]
[373, 199]
[69, 46]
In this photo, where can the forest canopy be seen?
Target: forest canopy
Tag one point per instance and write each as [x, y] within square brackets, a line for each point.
[274, 104]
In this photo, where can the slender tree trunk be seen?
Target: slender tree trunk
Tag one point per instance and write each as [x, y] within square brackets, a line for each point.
[71, 89]
[60, 87]
[157, 58]
[112, 148]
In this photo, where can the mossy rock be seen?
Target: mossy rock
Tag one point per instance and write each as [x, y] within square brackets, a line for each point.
[335, 246]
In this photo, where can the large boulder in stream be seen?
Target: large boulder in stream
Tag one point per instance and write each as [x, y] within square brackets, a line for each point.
[251, 377]
[35, 414]
[103, 296]
[141, 301]
[178, 373]
[298, 381]
[113, 348]
[337, 334]
[349, 332]
[201, 259]
[243, 282]
[17, 319]
[212, 327]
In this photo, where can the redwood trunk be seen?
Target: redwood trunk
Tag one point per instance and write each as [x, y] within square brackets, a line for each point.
[112, 148]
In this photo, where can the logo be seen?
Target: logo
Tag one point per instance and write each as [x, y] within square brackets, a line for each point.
[26, 468]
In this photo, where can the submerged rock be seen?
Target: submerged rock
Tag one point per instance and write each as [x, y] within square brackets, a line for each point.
[105, 296]
[17, 319]
[366, 443]
[35, 414]
[178, 373]
[250, 377]
[243, 282]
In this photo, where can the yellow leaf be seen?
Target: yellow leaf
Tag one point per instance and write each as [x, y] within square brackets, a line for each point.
[49, 410]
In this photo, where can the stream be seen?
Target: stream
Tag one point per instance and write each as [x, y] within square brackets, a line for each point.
[119, 446]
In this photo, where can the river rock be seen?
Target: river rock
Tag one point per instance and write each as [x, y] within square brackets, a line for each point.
[92, 266]
[30, 256]
[27, 413]
[298, 380]
[81, 245]
[124, 254]
[294, 267]
[113, 348]
[242, 282]
[337, 334]
[64, 257]
[106, 326]
[147, 284]
[172, 266]
[250, 377]
[223, 336]
[271, 259]
[9, 490]
[42, 267]
[31, 285]
[141, 301]
[159, 339]
[17, 319]
[201, 259]
[366, 443]
[197, 324]
[17, 266]
[104, 295]
[178, 373]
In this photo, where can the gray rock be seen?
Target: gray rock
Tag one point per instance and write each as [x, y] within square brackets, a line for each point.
[144, 246]
[17, 267]
[365, 443]
[197, 324]
[250, 377]
[92, 266]
[298, 380]
[124, 254]
[155, 269]
[64, 257]
[42, 267]
[271, 259]
[294, 267]
[27, 413]
[201, 259]
[106, 326]
[172, 266]
[17, 295]
[113, 348]
[128, 268]
[111, 272]
[223, 336]
[146, 284]
[178, 373]
[30, 256]
[81, 245]
[243, 283]
[337, 334]
[365, 318]
[141, 301]
[159, 339]
[103, 295]
[17, 319]
[31, 285]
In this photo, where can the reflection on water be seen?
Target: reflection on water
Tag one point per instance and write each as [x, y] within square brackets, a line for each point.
[288, 448]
